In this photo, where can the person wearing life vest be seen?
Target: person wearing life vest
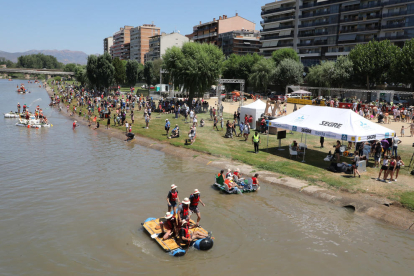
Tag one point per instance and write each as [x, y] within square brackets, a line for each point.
[255, 181]
[173, 199]
[18, 108]
[195, 199]
[220, 177]
[184, 210]
[74, 124]
[256, 141]
[186, 236]
[169, 226]
[24, 108]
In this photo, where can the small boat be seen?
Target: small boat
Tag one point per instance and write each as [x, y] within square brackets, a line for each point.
[174, 245]
[32, 123]
[246, 184]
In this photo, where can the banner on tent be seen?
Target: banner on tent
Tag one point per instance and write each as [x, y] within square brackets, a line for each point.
[343, 137]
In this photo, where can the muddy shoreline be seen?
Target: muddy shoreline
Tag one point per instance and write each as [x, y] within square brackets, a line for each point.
[363, 204]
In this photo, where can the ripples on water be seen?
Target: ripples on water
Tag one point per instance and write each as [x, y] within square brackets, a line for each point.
[71, 203]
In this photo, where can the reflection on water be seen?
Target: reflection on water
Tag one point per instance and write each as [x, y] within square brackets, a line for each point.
[72, 203]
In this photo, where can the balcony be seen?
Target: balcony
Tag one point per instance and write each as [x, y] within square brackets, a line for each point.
[353, 19]
[310, 5]
[247, 46]
[313, 43]
[279, 45]
[277, 10]
[314, 14]
[269, 37]
[312, 34]
[390, 14]
[278, 28]
[277, 19]
[392, 26]
[394, 2]
[361, 7]
[303, 25]
[397, 37]
[376, 28]
[205, 35]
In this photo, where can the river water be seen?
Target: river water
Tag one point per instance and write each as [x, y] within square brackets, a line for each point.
[72, 203]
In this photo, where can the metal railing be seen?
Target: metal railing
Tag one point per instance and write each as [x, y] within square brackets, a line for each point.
[393, 2]
[312, 34]
[277, 19]
[277, 10]
[350, 19]
[314, 14]
[314, 43]
[363, 6]
[360, 30]
[303, 25]
[277, 28]
[389, 14]
[392, 26]
[268, 37]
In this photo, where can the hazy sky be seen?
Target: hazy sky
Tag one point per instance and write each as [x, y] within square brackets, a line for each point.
[82, 25]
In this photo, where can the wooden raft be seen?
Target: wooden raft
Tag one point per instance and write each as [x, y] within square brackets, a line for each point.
[153, 227]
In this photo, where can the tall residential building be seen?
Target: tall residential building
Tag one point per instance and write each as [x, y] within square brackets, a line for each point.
[158, 44]
[108, 42]
[140, 37]
[239, 42]
[325, 29]
[121, 40]
[209, 32]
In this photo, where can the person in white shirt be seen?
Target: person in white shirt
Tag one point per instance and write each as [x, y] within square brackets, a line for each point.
[395, 142]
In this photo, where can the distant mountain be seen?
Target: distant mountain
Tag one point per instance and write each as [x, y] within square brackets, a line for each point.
[64, 56]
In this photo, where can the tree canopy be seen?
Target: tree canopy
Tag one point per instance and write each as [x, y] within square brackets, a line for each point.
[119, 73]
[70, 67]
[403, 65]
[288, 72]
[262, 73]
[38, 61]
[195, 66]
[131, 72]
[239, 67]
[284, 53]
[149, 73]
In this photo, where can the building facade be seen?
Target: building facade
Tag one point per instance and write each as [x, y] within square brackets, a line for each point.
[121, 40]
[209, 32]
[239, 42]
[108, 42]
[140, 37]
[325, 29]
[158, 44]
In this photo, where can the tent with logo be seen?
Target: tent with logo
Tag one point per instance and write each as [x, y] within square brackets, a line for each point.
[255, 109]
[335, 123]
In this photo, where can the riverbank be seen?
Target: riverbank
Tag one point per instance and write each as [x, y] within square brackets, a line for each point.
[235, 153]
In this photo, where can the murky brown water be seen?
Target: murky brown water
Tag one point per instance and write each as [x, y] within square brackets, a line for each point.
[72, 203]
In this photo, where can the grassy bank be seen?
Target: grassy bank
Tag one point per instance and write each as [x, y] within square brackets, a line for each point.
[269, 158]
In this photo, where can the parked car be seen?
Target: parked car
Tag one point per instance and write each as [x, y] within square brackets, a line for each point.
[274, 97]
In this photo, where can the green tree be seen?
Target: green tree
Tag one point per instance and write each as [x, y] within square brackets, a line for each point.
[8, 63]
[239, 67]
[262, 73]
[131, 72]
[80, 75]
[140, 72]
[119, 74]
[106, 70]
[372, 61]
[284, 53]
[58, 78]
[343, 71]
[92, 70]
[288, 72]
[149, 73]
[70, 67]
[316, 76]
[403, 66]
[38, 61]
[195, 66]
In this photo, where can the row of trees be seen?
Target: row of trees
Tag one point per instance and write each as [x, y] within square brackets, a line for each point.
[371, 64]
[36, 61]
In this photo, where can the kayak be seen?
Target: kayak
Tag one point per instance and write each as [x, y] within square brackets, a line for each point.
[247, 187]
[174, 245]
[12, 115]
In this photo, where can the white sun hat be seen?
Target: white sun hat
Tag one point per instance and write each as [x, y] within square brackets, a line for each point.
[196, 191]
[173, 186]
[168, 215]
[186, 201]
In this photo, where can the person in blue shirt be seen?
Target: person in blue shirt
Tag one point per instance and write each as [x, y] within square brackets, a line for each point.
[167, 126]
[175, 133]
[241, 128]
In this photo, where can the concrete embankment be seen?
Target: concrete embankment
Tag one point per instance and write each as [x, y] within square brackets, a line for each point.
[363, 204]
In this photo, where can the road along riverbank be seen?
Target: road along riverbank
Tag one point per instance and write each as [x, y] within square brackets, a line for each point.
[364, 204]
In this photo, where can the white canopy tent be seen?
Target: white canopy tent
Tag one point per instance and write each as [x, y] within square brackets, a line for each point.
[336, 123]
[255, 109]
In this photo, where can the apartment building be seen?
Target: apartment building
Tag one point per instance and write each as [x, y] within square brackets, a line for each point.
[158, 44]
[325, 29]
[121, 40]
[108, 42]
[239, 42]
[209, 32]
[140, 37]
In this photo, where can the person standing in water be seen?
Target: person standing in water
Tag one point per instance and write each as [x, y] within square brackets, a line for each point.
[18, 108]
[173, 199]
[195, 199]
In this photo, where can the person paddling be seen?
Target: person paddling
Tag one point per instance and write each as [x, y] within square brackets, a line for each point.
[168, 227]
[195, 199]
[173, 199]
